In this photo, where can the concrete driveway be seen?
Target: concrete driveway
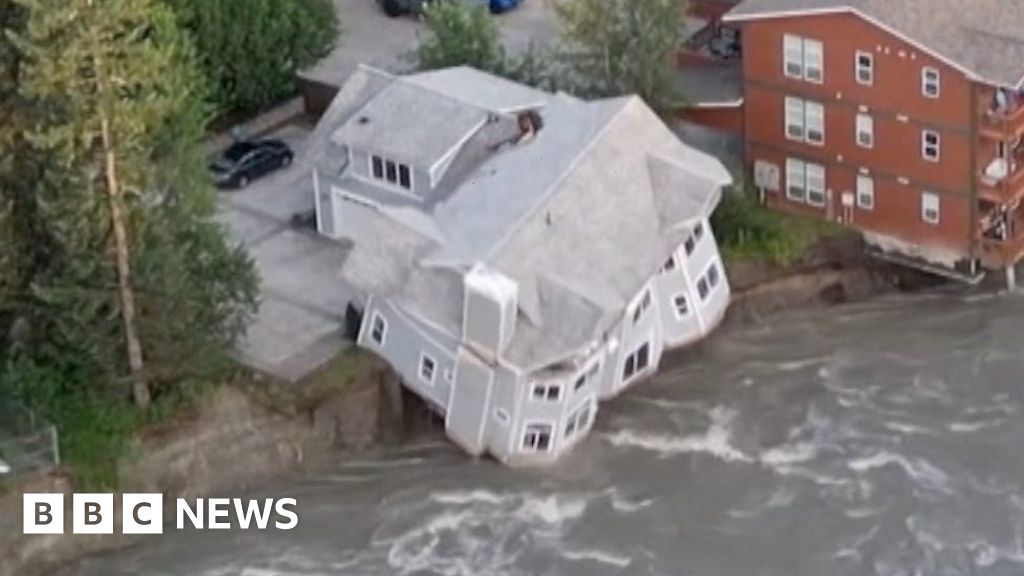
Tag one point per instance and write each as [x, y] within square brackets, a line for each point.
[302, 298]
[370, 37]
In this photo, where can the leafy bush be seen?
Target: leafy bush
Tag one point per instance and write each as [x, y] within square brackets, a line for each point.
[251, 49]
[745, 229]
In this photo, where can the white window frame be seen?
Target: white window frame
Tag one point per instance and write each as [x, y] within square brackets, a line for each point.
[865, 192]
[714, 275]
[424, 359]
[635, 355]
[538, 423]
[814, 123]
[926, 147]
[816, 184]
[931, 82]
[796, 170]
[865, 131]
[383, 178]
[814, 59]
[576, 423]
[546, 388]
[931, 203]
[378, 317]
[864, 74]
[681, 314]
[804, 118]
[793, 55]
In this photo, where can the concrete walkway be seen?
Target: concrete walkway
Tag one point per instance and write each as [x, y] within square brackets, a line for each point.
[302, 297]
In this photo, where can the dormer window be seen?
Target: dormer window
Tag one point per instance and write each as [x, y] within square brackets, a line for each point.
[391, 172]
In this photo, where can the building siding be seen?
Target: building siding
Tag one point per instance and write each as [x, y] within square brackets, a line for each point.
[899, 111]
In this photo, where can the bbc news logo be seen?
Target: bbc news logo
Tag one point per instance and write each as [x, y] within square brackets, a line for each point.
[144, 514]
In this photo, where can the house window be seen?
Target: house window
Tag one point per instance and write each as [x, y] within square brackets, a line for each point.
[669, 265]
[803, 58]
[865, 131]
[793, 53]
[698, 232]
[589, 376]
[642, 306]
[404, 176]
[795, 119]
[930, 208]
[815, 184]
[682, 306]
[713, 275]
[581, 381]
[930, 145]
[865, 68]
[805, 121]
[796, 180]
[546, 391]
[814, 61]
[378, 329]
[537, 438]
[930, 83]
[578, 421]
[815, 122]
[703, 290]
[689, 245]
[427, 369]
[865, 193]
[636, 362]
[805, 182]
[391, 172]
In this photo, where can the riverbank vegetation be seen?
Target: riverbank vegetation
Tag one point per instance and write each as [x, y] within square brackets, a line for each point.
[746, 230]
[119, 293]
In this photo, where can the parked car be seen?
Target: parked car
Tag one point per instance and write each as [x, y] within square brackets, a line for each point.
[396, 8]
[247, 160]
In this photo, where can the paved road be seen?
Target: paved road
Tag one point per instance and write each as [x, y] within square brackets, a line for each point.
[372, 38]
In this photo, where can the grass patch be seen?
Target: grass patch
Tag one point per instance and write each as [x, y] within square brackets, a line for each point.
[746, 230]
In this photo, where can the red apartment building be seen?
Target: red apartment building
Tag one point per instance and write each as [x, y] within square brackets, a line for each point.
[900, 118]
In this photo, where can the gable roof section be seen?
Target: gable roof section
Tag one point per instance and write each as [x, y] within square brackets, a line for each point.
[480, 89]
[410, 124]
[982, 38]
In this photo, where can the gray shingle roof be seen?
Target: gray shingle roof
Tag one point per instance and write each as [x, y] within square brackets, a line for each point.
[580, 216]
[984, 37]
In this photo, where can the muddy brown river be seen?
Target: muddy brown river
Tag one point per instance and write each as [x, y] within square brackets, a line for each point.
[875, 439]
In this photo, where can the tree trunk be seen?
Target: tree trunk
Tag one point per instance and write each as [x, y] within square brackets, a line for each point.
[122, 260]
[140, 388]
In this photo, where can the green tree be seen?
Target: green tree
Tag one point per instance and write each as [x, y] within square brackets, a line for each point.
[616, 47]
[139, 279]
[460, 33]
[465, 34]
[251, 49]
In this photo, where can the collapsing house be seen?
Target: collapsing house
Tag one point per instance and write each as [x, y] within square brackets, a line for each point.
[519, 255]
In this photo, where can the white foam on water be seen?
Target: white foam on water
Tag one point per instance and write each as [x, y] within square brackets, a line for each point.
[788, 454]
[470, 532]
[852, 551]
[599, 556]
[906, 428]
[970, 427]
[919, 470]
[621, 504]
[797, 365]
[716, 441]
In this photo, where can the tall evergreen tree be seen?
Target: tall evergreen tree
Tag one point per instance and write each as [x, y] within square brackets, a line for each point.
[252, 49]
[615, 47]
[140, 279]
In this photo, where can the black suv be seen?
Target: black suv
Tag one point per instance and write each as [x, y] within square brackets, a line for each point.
[246, 161]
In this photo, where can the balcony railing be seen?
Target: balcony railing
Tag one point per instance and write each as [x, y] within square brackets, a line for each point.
[1000, 253]
[1002, 180]
[1004, 121]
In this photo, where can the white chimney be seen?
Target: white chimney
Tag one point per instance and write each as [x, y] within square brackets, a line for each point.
[490, 305]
